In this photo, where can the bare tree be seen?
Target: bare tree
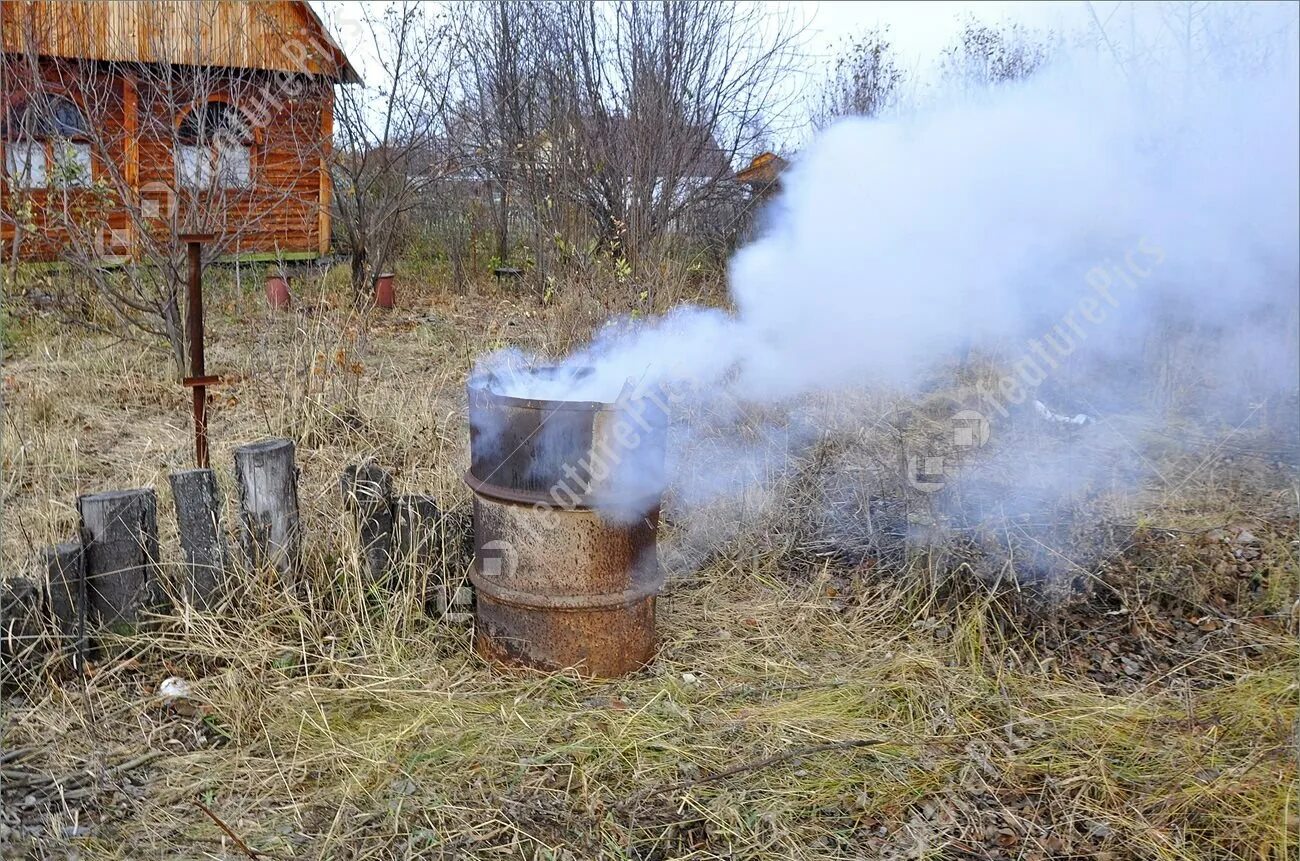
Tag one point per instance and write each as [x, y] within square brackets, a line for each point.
[654, 103]
[391, 149]
[863, 80]
[500, 111]
[984, 55]
[1201, 40]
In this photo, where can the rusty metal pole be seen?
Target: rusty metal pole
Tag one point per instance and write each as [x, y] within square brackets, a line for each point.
[197, 381]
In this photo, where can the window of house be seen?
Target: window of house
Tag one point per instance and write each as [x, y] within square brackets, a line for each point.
[25, 163]
[47, 143]
[214, 147]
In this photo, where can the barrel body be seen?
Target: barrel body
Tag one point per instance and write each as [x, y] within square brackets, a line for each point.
[566, 514]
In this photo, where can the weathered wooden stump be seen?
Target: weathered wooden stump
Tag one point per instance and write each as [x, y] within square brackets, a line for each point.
[456, 545]
[65, 586]
[368, 492]
[415, 539]
[270, 529]
[20, 629]
[198, 518]
[120, 530]
[415, 522]
[420, 526]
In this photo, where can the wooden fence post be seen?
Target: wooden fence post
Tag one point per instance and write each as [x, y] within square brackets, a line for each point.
[270, 529]
[120, 531]
[368, 491]
[415, 520]
[20, 628]
[198, 518]
[418, 524]
[65, 584]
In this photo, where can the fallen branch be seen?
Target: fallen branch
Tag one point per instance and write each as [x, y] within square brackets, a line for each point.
[48, 783]
[243, 847]
[252, 853]
[16, 753]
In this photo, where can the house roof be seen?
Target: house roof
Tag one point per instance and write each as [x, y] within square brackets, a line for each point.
[765, 169]
[274, 35]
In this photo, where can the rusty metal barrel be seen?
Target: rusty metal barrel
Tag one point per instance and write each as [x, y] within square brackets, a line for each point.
[566, 513]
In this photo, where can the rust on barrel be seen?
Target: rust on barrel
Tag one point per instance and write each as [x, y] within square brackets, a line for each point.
[566, 513]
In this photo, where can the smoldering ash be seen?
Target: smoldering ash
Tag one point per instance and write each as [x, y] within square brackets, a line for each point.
[1055, 225]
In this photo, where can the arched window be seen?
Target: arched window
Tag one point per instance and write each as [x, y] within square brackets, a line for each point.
[47, 142]
[214, 147]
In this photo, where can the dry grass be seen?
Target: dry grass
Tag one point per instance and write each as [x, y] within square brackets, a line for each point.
[345, 724]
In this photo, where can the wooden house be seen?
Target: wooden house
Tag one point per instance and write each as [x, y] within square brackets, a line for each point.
[127, 122]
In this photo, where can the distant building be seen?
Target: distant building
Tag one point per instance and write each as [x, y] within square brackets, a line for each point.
[762, 178]
[763, 175]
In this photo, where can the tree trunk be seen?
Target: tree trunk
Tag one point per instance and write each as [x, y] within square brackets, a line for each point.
[198, 520]
[270, 529]
[359, 272]
[173, 326]
[502, 208]
[121, 557]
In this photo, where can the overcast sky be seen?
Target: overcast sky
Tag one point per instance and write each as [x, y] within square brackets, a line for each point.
[921, 30]
[918, 31]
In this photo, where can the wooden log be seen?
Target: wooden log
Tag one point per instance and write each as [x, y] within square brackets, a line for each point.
[456, 533]
[270, 528]
[120, 537]
[368, 492]
[415, 521]
[203, 541]
[20, 629]
[415, 529]
[422, 531]
[65, 586]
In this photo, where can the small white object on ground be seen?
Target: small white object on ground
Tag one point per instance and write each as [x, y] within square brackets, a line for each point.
[172, 689]
[1048, 415]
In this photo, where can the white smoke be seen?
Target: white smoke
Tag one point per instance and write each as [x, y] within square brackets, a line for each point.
[902, 241]
[1080, 205]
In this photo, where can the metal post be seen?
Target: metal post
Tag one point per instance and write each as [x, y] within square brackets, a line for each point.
[197, 380]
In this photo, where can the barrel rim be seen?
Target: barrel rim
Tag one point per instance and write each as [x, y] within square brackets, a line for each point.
[539, 498]
[479, 388]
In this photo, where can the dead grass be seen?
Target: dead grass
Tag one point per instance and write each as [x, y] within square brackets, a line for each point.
[343, 723]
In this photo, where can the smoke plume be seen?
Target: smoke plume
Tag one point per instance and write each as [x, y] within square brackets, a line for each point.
[1115, 246]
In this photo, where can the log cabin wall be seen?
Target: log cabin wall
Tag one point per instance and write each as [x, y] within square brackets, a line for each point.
[49, 216]
[279, 210]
